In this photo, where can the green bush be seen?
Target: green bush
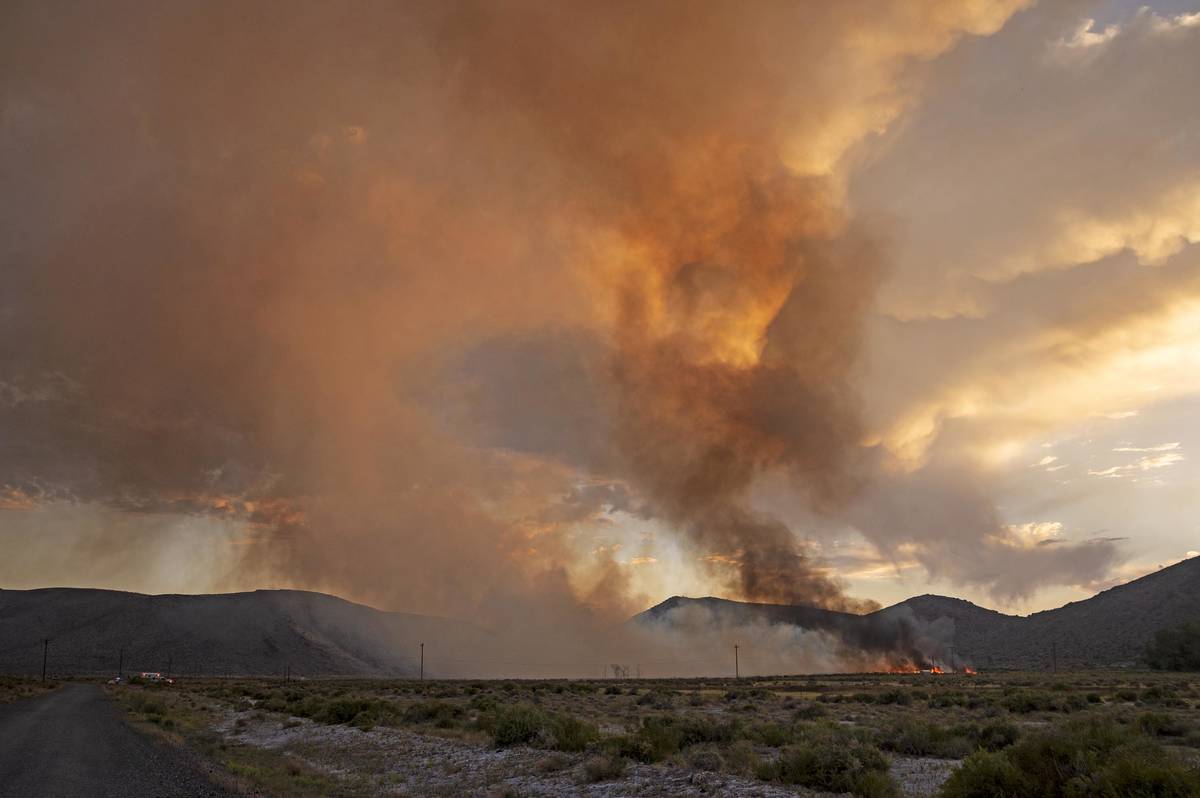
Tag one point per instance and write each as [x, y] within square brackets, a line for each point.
[440, 713]
[810, 712]
[705, 759]
[898, 697]
[524, 724]
[1176, 648]
[985, 774]
[741, 758]
[1086, 758]
[363, 713]
[484, 703]
[996, 735]
[1160, 724]
[603, 768]
[571, 734]
[834, 760]
[919, 738]
[517, 724]
[773, 734]
[147, 706]
[915, 737]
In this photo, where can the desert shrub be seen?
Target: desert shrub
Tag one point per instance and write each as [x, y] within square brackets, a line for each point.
[944, 700]
[1161, 696]
[657, 739]
[1176, 648]
[483, 702]
[810, 712]
[662, 736]
[363, 713]
[898, 697]
[773, 734]
[1086, 758]
[440, 713]
[147, 706]
[985, 774]
[920, 738]
[1025, 701]
[552, 763]
[877, 784]
[1160, 724]
[741, 758]
[517, 724]
[996, 736]
[569, 733]
[525, 724]
[658, 699]
[603, 768]
[831, 759]
[705, 759]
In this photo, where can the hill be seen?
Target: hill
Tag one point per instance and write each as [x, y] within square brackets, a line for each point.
[1110, 629]
[262, 632]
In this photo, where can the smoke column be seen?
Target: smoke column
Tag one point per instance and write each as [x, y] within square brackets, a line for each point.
[403, 291]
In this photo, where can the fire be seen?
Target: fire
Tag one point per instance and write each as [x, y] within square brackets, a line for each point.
[903, 669]
[969, 671]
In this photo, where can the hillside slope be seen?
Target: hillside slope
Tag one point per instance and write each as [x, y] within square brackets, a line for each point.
[263, 632]
[1109, 629]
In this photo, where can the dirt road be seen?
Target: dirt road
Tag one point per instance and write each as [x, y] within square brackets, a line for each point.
[74, 742]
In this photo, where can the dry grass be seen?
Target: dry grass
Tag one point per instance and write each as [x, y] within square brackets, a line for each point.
[14, 688]
[752, 728]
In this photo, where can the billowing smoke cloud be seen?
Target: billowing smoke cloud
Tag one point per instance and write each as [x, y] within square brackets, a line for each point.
[408, 294]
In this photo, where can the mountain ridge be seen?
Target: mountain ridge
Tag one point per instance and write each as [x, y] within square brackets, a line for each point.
[264, 632]
[1108, 629]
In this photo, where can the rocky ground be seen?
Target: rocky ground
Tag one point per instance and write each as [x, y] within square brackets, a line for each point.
[398, 762]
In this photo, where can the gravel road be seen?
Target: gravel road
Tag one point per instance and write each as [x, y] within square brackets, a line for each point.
[74, 742]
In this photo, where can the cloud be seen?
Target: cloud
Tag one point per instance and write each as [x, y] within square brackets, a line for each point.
[1036, 282]
[419, 291]
[1162, 447]
[1143, 464]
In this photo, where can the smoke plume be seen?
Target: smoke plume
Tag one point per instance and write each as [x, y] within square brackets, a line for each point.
[406, 294]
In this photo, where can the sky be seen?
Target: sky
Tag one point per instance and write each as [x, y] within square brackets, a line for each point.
[540, 312]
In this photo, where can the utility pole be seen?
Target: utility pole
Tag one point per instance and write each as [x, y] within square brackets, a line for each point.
[737, 672]
[422, 662]
[1054, 656]
[121, 664]
[45, 651]
[170, 663]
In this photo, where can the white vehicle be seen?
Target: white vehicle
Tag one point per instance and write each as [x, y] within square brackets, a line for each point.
[154, 676]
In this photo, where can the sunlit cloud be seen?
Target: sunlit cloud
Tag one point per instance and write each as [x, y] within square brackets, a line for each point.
[1144, 464]
[1162, 447]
